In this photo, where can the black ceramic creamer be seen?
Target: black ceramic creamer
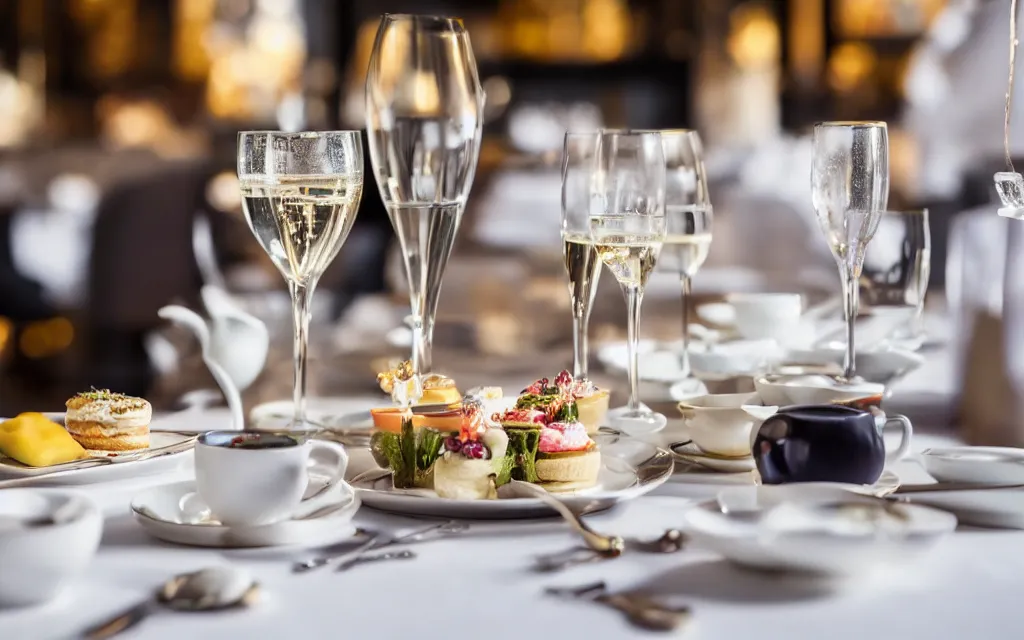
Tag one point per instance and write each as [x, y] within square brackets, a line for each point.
[823, 443]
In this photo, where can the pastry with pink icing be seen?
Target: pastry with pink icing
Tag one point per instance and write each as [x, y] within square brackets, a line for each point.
[567, 459]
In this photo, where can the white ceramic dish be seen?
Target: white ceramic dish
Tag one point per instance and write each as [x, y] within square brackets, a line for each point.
[38, 560]
[630, 468]
[996, 508]
[882, 366]
[767, 315]
[778, 542]
[166, 452]
[718, 314]
[983, 465]
[174, 513]
[785, 390]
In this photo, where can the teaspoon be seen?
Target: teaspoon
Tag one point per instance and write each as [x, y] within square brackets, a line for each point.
[641, 610]
[210, 589]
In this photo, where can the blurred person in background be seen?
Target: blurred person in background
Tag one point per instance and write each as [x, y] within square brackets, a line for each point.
[955, 88]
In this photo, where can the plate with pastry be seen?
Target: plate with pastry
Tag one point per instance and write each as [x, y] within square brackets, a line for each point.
[455, 465]
[102, 436]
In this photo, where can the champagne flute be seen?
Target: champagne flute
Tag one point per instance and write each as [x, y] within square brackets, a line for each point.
[300, 194]
[688, 218]
[582, 264]
[424, 113]
[627, 227]
[850, 189]
[897, 266]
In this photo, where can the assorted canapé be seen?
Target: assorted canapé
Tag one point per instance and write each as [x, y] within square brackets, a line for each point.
[461, 450]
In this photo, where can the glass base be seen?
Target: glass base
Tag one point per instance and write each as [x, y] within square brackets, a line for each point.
[636, 423]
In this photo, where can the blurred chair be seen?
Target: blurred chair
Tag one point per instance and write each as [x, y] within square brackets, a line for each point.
[141, 259]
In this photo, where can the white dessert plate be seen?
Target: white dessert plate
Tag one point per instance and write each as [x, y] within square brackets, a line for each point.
[689, 453]
[165, 452]
[983, 465]
[779, 534]
[630, 468]
[174, 513]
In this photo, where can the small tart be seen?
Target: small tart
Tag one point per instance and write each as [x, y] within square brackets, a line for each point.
[593, 409]
[563, 472]
[390, 419]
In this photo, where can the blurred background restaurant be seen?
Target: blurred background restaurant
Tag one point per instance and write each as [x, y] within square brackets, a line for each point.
[118, 123]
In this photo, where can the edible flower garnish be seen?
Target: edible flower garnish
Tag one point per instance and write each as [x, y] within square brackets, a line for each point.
[404, 386]
[474, 424]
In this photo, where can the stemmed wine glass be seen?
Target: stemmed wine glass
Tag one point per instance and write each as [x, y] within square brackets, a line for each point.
[688, 218]
[897, 265]
[850, 190]
[581, 261]
[424, 113]
[627, 227]
[300, 194]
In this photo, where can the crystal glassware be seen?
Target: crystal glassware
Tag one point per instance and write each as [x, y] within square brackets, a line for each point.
[897, 265]
[424, 113]
[582, 264]
[627, 227]
[300, 194]
[850, 190]
[688, 218]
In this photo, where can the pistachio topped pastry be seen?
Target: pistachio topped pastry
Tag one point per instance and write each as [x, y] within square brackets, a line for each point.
[107, 421]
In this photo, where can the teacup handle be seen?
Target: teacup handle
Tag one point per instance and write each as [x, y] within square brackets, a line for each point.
[322, 498]
[906, 431]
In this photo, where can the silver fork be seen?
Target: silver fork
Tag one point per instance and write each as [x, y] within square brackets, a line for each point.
[379, 541]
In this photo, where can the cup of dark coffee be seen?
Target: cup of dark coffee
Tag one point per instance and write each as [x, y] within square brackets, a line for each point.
[827, 443]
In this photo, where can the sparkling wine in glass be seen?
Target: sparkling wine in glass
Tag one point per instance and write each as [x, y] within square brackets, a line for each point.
[424, 113]
[688, 217]
[300, 194]
[850, 190]
[582, 264]
[627, 228]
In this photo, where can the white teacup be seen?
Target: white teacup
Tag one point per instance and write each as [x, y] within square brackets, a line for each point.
[723, 424]
[767, 315]
[256, 478]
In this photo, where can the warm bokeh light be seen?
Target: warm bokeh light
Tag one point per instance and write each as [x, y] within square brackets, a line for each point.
[754, 38]
[46, 338]
[851, 64]
[874, 18]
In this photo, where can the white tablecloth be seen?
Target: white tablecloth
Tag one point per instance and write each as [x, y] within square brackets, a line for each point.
[480, 585]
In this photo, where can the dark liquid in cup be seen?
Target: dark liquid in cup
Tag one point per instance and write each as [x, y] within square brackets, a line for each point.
[249, 440]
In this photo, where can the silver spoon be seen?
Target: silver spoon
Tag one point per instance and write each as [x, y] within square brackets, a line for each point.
[210, 589]
[605, 545]
[641, 610]
[671, 541]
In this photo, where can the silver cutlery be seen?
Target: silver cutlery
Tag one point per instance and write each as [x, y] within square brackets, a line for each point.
[380, 557]
[207, 590]
[605, 545]
[641, 610]
[671, 541]
[951, 486]
[376, 541]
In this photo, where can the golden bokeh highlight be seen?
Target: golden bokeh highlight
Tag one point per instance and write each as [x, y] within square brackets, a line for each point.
[45, 338]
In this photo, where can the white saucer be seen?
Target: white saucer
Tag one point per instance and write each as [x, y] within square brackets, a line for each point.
[692, 454]
[635, 427]
[983, 465]
[174, 513]
[785, 539]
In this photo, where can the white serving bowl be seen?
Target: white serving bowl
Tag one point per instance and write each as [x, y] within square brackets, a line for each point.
[883, 365]
[39, 556]
[785, 390]
[723, 424]
[767, 315]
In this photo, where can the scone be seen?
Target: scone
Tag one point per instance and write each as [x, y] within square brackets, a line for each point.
[105, 421]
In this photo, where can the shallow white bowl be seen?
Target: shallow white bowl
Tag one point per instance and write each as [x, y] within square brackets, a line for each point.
[37, 561]
[785, 390]
[982, 465]
[882, 366]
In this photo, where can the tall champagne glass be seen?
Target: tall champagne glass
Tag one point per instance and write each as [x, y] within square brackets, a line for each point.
[300, 193]
[627, 227]
[688, 217]
[424, 112]
[850, 190]
[581, 261]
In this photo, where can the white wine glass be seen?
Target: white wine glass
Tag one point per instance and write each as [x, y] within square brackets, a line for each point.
[850, 190]
[688, 218]
[582, 264]
[627, 227]
[424, 113]
[897, 267]
[300, 194]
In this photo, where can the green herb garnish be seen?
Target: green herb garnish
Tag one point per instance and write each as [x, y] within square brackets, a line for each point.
[534, 401]
[522, 454]
[410, 454]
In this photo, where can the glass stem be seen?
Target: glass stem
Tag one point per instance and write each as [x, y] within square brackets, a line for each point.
[301, 296]
[634, 296]
[850, 290]
[684, 359]
[580, 351]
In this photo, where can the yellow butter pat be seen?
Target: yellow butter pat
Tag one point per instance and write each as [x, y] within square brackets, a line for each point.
[36, 441]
